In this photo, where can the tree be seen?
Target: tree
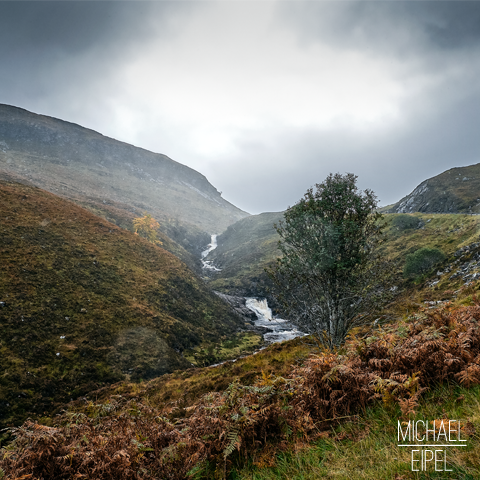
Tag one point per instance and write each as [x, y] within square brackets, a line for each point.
[422, 261]
[146, 227]
[330, 277]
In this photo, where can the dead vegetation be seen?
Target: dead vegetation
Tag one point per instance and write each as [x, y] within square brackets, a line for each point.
[138, 439]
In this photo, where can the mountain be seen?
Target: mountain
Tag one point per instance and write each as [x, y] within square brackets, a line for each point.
[455, 191]
[85, 303]
[111, 178]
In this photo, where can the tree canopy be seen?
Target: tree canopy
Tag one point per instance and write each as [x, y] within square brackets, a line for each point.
[146, 227]
[330, 276]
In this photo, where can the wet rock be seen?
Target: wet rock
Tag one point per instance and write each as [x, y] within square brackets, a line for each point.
[238, 304]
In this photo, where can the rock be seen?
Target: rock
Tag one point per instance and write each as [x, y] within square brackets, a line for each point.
[239, 305]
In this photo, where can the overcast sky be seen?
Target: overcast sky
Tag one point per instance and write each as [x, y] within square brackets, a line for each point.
[265, 98]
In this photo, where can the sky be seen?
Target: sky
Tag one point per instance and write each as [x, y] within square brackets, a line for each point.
[263, 97]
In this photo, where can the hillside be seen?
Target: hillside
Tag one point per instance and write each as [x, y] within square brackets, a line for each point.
[248, 246]
[455, 191]
[243, 251]
[111, 177]
[329, 415]
[85, 303]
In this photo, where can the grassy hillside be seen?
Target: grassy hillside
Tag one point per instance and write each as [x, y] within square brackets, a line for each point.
[331, 415]
[454, 191]
[84, 303]
[447, 232]
[87, 167]
[366, 447]
[248, 246]
[243, 251]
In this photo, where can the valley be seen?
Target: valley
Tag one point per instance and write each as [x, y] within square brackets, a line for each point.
[104, 331]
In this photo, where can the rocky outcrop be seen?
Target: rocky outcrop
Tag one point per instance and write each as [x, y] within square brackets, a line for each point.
[455, 191]
[466, 266]
[239, 305]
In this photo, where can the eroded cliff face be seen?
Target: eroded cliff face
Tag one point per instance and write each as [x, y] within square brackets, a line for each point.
[455, 191]
[83, 165]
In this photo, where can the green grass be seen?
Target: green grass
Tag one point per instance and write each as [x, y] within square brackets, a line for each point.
[242, 343]
[366, 448]
[447, 232]
[250, 245]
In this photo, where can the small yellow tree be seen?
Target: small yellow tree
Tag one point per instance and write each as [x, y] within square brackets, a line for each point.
[146, 227]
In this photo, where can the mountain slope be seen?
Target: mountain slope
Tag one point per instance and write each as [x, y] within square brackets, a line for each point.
[83, 303]
[455, 191]
[243, 251]
[87, 167]
[250, 245]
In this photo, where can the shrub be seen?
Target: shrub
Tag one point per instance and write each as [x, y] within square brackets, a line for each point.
[405, 222]
[422, 261]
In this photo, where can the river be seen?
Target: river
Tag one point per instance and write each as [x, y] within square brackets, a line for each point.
[280, 329]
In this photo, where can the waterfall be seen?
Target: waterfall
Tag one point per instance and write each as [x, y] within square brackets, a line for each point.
[211, 246]
[207, 264]
[260, 307]
[280, 329]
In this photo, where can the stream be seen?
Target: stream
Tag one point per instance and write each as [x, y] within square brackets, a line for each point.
[207, 264]
[280, 329]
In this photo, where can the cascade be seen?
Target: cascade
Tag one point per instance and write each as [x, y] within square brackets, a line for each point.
[280, 329]
[207, 264]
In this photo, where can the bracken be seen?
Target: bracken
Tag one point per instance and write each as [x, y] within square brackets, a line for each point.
[132, 439]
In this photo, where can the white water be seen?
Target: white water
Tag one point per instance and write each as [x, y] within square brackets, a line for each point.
[207, 264]
[280, 329]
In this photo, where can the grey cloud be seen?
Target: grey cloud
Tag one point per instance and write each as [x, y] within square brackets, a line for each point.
[399, 27]
[51, 50]
[273, 171]
[73, 27]
[34, 35]
[68, 27]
